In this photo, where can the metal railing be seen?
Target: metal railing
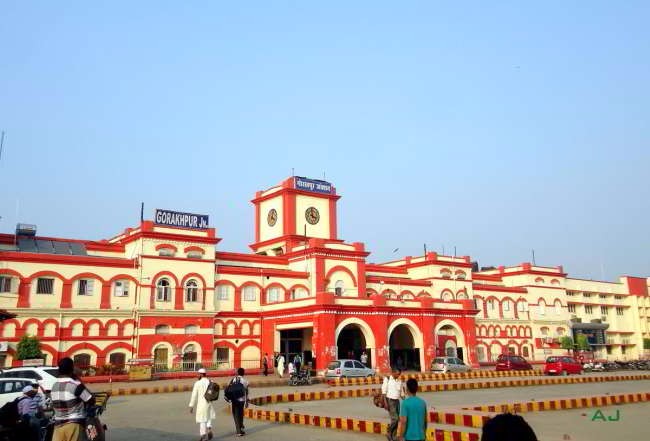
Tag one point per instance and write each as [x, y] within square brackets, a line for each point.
[189, 366]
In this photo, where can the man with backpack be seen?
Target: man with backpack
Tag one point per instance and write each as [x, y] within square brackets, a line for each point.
[236, 393]
[204, 393]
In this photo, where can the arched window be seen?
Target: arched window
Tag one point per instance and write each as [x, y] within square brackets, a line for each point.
[222, 292]
[162, 329]
[560, 332]
[82, 361]
[558, 307]
[299, 293]
[447, 296]
[445, 273]
[163, 291]
[191, 291]
[339, 288]
[522, 305]
[273, 295]
[539, 281]
[250, 293]
[191, 329]
[462, 296]
[117, 359]
[461, 275]
[544, 331]
[542, 307]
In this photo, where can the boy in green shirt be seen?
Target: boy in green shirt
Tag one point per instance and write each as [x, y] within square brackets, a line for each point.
[412, 415]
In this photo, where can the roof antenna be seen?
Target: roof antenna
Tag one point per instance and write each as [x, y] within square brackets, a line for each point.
[324, 176]
[293, 173]
[142, 212]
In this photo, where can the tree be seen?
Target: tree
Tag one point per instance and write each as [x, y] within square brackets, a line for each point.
[566, 342]
[582, 343]
[29, 347]
[646, 343]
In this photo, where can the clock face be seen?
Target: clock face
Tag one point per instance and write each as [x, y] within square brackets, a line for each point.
[312, 215]
[272, 217]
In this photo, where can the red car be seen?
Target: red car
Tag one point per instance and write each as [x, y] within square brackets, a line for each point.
[562, 366]
[512, 363]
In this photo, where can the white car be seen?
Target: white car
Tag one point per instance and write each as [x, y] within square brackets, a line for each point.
[12, 388]
[45, 376]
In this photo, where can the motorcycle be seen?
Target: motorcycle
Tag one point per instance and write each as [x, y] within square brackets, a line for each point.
[301, 377]
[19, 430]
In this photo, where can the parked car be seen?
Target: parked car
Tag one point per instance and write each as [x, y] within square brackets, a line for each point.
[512, 363]
[45, 376]
[12, 388]
[563, 365]
[348, 369]
[449, 364]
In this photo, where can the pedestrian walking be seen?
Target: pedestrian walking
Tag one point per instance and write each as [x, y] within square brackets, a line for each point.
[412, 415]
[236, 394]
[280, 365]
[202, 408]
[364, 358]
[69, 399]
[393, 390]
[265, 364]
[297, 362]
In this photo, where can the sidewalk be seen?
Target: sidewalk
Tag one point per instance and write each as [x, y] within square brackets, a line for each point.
[183, 384]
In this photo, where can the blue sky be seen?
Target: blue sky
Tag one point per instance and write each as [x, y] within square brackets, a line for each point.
[494, 128]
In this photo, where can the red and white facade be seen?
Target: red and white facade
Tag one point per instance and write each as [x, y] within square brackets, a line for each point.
[169, 293]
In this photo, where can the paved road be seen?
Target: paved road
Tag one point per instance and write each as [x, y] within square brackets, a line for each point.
[164, 417]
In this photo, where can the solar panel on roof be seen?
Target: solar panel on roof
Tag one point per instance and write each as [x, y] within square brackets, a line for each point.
[78, 249]
[45, 246]
[27, 245]
[61, 247]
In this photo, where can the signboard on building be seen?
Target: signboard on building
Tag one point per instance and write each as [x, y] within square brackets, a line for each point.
[313, 185]
[170, 218]
[34, 362]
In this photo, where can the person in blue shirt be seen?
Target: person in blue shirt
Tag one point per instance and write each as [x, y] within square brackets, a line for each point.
[412, 415]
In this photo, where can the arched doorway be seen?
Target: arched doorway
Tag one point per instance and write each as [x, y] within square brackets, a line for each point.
[450, 341]
[351, 343]
[403, 353]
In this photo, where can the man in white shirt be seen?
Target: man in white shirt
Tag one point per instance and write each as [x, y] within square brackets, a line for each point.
[202, 408]
[393, 390]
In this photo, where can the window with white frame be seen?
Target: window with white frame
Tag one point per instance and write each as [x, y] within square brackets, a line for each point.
[506, 305]
[191, 291]
[195, 255]
[5, 284]
[162, 329]
[191, 329]
[121, 288]
[544, 331]
[222, 292]
[560, 332]
[491, 305]
[163, 291]
[339, 288]
[299, 293]
[250, 293]
[445, 274]
[166, 252]
[461, 276]
[558, 307]
[273, 295]
[85, 287]
[521, 306]
[44, 285]
[542, 307]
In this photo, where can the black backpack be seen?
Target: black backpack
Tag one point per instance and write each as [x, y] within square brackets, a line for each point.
[9, 413]
[212, 392]
[234, 390]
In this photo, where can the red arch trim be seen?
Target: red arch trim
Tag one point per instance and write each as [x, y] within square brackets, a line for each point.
[10, 272]
[193, 248]
[343, 269]
[47, 273]
[86, 275]
[162, 274]
[123, 277]
[194, 276]
[166, 245]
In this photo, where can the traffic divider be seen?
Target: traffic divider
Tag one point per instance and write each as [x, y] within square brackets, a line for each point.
[436, 377]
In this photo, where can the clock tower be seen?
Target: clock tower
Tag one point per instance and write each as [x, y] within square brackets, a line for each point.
[287, 214]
